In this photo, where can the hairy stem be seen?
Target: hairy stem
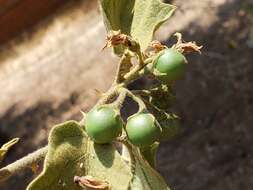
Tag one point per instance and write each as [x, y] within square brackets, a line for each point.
[120, 99]
[22, 164]
[138, 100]
[117, 89]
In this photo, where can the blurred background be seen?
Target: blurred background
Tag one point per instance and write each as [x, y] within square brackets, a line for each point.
[51, 65]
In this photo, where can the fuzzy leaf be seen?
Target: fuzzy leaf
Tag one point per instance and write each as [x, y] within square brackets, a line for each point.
[71, 154]
[145, 177]
[137, 18]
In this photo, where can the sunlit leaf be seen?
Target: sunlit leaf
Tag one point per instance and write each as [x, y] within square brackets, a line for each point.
[72, 155]
[137, 18]
[145, 177]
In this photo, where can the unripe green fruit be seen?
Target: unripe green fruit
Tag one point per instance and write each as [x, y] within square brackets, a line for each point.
[142, 130]
[103, 124]
[170, 66]
[170, 129]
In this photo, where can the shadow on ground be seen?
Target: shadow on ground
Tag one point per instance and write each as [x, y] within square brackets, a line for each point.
[215, 101]
[32, 127]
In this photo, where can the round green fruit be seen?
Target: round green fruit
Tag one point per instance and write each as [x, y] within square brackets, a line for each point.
[170, 65]
[103, 124]
[142, 130]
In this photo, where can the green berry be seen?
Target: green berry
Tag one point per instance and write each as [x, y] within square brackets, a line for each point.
[142, 130]
[103, 124]
[170, 65]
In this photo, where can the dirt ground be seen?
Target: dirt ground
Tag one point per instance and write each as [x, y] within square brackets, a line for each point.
[214, 100]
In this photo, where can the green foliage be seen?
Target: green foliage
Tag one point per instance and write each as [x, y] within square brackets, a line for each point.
[81, 155]
[136, 18]
[162, 97]
[145, 177]
[169, 122]
[170, 127]
[149, 153]
[71, 154]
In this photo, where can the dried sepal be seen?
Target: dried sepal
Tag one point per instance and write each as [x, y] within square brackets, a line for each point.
[186, 47]
[90, 183]
[154, 48]
[115, 38]
[157, 46]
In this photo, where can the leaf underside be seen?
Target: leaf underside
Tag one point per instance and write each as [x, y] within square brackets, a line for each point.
[71, 153]
[137, 18]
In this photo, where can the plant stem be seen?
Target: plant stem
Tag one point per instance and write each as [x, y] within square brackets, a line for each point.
[115, 89]
[136, 72]
[120, 99]
[22, 164]
[108, 95]
[138, 100]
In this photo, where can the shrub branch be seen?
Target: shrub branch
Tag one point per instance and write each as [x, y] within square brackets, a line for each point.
[22, 164]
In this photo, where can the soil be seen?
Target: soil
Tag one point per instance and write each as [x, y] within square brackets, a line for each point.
[214, 100]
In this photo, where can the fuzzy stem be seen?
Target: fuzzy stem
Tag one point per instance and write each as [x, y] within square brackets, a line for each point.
[120, 99]
[22, 164]
[108, 95]
[136, 72]
[138, 100]
[116, 88]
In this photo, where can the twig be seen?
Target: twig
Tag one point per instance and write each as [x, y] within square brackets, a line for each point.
[120, 99]
[21, 164]
[138, 100]
[117, 89]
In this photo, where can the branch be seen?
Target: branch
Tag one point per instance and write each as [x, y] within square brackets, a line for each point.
[117, 89]
[22, 164]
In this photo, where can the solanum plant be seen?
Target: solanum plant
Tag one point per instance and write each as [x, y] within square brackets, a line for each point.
[83, 155]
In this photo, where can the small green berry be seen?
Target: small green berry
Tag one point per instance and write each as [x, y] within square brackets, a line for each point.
[170, 65]
[103, 124]
[142, 130]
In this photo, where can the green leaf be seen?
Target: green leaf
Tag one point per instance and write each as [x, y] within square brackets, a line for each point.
[145, 177]
[5, 148]
[149, 15]
[118, 14]
[162, 97]
[150, 153]
[169, 122]
[71, 153]
[137, 18]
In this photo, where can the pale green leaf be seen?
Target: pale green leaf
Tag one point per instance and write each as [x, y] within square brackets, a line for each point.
[71, 153]
[145, 177]
[137, 18]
